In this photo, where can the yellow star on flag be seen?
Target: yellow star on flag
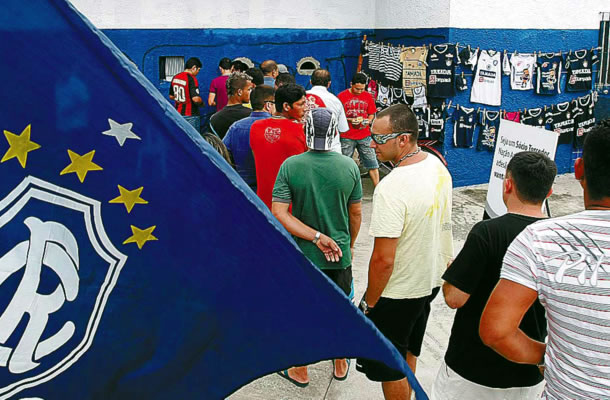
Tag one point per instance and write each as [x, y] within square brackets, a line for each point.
[129, 197]
[20, 146]
[141, 236]
[81, 164]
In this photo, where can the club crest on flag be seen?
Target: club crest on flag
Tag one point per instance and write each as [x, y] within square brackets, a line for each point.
[44, 327]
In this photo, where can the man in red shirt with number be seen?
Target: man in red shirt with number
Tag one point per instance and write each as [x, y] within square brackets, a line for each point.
[360, 110]
[275, 139]
[184, 90]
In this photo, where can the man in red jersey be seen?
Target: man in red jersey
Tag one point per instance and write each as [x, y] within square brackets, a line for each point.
[360, 110]
[275, 139]
[184, 90]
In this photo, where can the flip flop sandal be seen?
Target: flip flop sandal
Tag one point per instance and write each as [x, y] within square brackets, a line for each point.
[284, 374]
[346, 373]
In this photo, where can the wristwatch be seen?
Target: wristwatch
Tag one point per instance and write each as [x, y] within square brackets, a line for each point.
[364, 306]
[316, 238]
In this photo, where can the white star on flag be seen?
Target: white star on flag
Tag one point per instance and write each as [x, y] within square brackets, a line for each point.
[121, 132]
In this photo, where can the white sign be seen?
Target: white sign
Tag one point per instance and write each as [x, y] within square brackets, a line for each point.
[514, 138]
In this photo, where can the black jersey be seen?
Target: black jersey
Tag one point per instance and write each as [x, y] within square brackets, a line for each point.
[534, 117]
[548, 73]
[489, 122]
[579, 68]
[438, 116]
[464, 124]
[441, 71]
[561, 121]
[584, 119]
[423, 121]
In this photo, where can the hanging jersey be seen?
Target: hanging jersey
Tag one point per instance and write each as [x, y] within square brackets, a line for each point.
[441, 71]
[489, 122]
[463, 126]
[371, 87]
[413, 68]
[521, 71]
[438, 115]
[423, 122]
[487, 84]
[183, 88]
[548, 73]
[534, 117]
[419, 97]
[561, 121]
[584, 119]
[579, 69]
[384, 97]
[468, 57]
[398, 97]
[514, 116]
[390, 63]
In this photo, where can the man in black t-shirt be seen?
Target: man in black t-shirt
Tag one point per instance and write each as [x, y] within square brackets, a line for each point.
[472, 370]
[239, 86]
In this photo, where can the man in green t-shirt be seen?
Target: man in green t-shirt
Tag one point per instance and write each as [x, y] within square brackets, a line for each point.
[325, 191]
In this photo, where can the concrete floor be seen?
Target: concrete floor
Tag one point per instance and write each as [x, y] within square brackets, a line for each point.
[468, 205]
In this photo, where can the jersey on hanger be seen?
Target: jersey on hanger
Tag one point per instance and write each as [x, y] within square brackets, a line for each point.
[534, 117]
[423, 121]
[489, 122]
[464, 122]
[579, 68]
[521, 71]
[561, 121]
[584, 119]
[419, 97]
[414, 68]
[441, 71]
[548, 73]
[487, 84]
[384, 97]
[438, 115]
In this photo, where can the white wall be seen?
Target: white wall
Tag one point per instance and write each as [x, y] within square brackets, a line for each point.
[527, 14]
[344, 14]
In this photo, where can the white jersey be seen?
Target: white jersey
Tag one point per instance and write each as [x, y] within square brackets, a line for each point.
[567, 261]
[487, 83]
[521, 71]
[419, 97]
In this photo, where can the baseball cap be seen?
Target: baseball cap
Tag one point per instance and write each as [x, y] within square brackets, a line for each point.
[320, 128]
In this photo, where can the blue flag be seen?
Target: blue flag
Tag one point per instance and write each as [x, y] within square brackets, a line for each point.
[134, 262]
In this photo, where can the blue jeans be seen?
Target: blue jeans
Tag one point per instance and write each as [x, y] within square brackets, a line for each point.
[194, 121]
[368, 159]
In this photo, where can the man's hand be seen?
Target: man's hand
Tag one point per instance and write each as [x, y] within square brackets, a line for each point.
[329, 247]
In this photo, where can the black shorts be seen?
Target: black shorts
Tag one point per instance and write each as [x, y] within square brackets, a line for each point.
[403, 322]
[343, 279]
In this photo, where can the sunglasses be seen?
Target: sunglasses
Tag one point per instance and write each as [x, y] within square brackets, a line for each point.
[383, 139]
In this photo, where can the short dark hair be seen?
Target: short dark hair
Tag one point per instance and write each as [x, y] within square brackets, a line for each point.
[533, 174]
[320, 77]
[288, 93]
[595, 154]
[218, 145]
[260, 95]
[225, 63]
[193, 62]
[359, 77]
[268, 66]
[257, 75]
[284, 78]
[236, 81]
[239, 65]
[402, 119]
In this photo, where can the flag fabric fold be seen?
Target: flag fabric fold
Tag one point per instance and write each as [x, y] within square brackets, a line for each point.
[134, 262]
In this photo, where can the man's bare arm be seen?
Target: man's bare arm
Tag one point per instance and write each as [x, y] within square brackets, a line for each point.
[355, 220]
[454, 297]
[211, 99]
[380, 268]
[499, 328]
[331, 250]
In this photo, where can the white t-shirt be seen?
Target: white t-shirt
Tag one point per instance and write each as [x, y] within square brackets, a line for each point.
[333, 104]
[487, 82]
[567, 261]
[522, 68]
[413, 204]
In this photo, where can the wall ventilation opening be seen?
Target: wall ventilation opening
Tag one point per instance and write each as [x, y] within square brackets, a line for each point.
[170, 66]
[307, 65]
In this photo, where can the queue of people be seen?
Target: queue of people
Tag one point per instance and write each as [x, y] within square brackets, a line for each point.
[532, 294]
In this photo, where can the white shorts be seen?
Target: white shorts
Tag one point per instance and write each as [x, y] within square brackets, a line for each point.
[451, 386]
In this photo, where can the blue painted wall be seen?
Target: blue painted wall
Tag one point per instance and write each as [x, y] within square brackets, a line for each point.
[338, 50]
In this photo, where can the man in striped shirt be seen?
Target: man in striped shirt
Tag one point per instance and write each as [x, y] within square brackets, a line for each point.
[184, 90]
[565, 262]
